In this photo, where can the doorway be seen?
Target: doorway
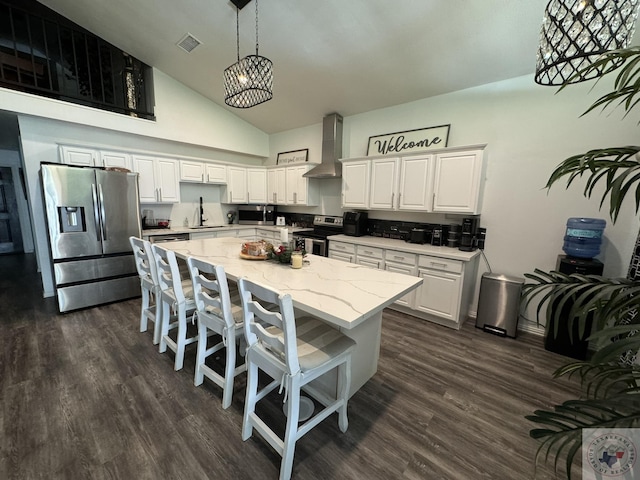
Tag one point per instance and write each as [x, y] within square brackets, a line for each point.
[10, 233]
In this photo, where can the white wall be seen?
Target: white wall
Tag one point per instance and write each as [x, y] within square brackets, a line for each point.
[529, 129]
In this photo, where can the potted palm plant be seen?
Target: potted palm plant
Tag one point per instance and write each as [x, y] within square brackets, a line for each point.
[610, 379]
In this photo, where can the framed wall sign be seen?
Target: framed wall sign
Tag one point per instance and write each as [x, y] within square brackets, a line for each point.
[294, 156]
[409, 141]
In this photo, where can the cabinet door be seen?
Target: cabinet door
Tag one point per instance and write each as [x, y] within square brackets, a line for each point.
[355, 184]
[457, 182]
[439, 294]
[191, 171]
[384, 184]
[257, 185]
[168, 180]
[416, 184]
[79, 156]
[145, 166]
[276, 186]
[115, 159]
[215, 173]
[237, 185]
[407, 300]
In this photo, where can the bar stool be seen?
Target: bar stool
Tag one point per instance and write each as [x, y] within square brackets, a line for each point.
[216, 314]
[293, 352]
[146, 266]
[177, 298]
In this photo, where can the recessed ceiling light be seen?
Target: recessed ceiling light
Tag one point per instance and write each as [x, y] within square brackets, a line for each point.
[188, 43]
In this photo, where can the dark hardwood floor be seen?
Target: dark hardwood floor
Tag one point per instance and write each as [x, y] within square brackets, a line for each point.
[87, 396]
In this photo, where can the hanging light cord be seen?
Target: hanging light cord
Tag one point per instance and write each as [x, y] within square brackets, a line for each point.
[256, 28]
[238, 32]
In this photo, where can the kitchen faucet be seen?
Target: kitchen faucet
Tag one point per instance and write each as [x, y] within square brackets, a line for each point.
[202, 219]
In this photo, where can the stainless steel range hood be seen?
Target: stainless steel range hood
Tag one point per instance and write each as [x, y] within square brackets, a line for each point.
[331, 149]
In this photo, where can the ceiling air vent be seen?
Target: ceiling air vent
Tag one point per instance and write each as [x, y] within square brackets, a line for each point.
[188, 43]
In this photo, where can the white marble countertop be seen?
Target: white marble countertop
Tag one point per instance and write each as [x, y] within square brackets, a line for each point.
[343, 294]
[400, 245]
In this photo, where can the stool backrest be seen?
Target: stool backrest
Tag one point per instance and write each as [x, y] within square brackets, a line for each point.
[168, 274]
[211, 290]
[145, 262]
[272, 332]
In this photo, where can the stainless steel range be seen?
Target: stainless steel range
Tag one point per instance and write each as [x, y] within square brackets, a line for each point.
[323, 227]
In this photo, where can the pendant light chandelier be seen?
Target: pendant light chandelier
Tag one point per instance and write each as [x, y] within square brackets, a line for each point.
[249, 81]
[575, 32]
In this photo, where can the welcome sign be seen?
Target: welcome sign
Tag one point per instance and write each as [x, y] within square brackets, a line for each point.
[411, 140]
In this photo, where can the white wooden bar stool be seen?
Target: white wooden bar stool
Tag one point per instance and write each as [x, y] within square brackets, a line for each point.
[293, 352]
[150, 309]
[177, 299]
[217, 314]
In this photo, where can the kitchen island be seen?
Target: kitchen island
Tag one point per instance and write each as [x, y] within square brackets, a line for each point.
[347, 296]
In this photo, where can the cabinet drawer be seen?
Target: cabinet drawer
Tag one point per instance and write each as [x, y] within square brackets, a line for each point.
[400, 257]
[437, 263]
[342, 247]
[371, 252]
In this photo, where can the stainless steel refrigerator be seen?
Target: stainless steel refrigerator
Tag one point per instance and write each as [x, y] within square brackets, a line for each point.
[91, 213]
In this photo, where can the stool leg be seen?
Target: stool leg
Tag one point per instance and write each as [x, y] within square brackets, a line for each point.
[291, 431]
[229, 370]
[201, 355]
[164, 326]
[158, 319]
[250, 398]
[144, 309]
[181, 338]
[344, 383]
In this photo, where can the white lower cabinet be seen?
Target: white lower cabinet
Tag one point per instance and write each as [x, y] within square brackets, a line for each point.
[439, 294]
[446, 294]
[401, 262]
[343, 251]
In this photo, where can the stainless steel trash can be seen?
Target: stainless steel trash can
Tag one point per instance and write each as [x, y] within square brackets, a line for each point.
[499, 304]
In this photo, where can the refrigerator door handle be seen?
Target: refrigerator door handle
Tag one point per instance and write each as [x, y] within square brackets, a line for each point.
[96, 213]
[103, 216]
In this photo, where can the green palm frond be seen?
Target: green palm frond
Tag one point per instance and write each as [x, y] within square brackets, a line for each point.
[618, 168]
[562, 436]
[602, 381]
[626, 92]
[607, 300]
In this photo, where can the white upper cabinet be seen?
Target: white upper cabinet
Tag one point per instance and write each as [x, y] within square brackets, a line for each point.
[115, 159]
[447, 181]
[202, 172]
[415, 187]
[276, 186]
[191, 171]
[301, 190]
[159, 179]
[84, 157]
[257, 185]
[237, 185]
[356, 184]
[457, 181]
[215, 173]
[246, 185]
[384, 183]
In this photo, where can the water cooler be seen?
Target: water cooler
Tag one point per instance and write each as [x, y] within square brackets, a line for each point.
[581, 243]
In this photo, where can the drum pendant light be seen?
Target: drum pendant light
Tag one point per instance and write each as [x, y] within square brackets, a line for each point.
[249, 81]
[575, 32]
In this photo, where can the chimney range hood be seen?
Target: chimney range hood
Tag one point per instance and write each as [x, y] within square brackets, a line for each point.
[331, 149]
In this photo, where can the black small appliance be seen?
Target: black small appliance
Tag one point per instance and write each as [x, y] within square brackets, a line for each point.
[417, 235]
[354, 224]
[468, 237]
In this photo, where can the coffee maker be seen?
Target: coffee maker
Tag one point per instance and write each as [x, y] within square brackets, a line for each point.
[469, 233]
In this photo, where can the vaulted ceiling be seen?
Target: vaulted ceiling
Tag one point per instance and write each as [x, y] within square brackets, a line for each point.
[346, 56]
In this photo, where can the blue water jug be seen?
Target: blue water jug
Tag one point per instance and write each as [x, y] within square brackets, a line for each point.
[583, 237]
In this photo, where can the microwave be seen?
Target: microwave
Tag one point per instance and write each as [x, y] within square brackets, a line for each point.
[257, 215]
